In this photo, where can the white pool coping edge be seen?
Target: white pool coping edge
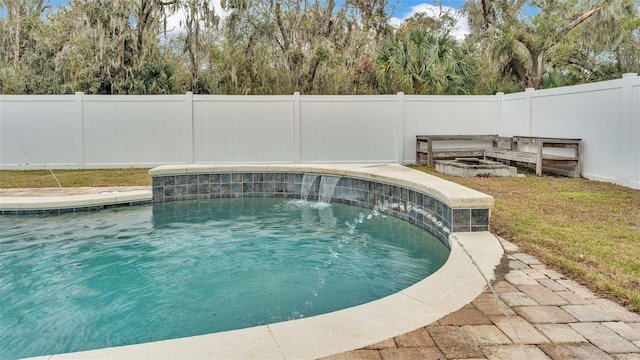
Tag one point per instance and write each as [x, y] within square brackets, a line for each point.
[73, 201]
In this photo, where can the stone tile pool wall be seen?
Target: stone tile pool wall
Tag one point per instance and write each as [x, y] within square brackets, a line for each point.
[410, 205]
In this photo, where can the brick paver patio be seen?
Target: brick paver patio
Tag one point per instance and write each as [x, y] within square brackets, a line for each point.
[532, 312]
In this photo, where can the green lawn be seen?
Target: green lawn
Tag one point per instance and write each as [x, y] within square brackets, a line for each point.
[589, 230]
[74, 178]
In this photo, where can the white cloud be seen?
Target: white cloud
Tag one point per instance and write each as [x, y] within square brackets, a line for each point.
[459, 32]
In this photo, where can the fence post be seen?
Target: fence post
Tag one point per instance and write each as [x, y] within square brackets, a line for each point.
[79, 120]
[630, 132]
[190, 124]
[296, 128]
[528, 93]
[499, 114]
[400, 129]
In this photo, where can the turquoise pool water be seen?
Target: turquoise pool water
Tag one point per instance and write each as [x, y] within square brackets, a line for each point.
[130, 275]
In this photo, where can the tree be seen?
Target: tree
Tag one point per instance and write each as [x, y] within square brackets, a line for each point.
[606, 49]
[311, 46]
[521, 33]
[23, 17]
[199, 25]
[423, 63]
[438, 19]
[19, 26]
[95, 46]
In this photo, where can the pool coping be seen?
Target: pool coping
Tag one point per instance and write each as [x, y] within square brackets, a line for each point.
[466, 274]
[65, 199]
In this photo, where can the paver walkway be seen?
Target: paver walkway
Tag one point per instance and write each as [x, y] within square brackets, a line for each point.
[532, 313]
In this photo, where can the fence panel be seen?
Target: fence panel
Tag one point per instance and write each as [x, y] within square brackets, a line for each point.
[39, 131]
[243, 129]
[591, 112]
[515, 115]
[133, 131]
[348, 128]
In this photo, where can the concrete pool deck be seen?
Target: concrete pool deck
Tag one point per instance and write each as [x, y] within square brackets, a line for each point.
[533, 312]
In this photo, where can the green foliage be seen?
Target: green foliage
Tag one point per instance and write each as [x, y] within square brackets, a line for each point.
[423, 63]
[310, 46]
[574, 41]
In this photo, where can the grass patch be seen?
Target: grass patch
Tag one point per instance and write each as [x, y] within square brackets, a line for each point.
[74, 178]
[587, 229]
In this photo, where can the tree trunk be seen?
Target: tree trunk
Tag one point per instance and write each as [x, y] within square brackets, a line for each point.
[534, 78]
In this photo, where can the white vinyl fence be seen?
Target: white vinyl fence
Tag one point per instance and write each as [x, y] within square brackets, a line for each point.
[103, 131]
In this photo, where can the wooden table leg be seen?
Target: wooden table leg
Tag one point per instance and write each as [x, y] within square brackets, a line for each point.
[539, 159]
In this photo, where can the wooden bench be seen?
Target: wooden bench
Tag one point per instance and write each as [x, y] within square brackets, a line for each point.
[452, 153]
[539, 158]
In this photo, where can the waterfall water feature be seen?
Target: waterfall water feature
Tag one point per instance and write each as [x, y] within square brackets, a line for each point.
[327, 185]
[307, 183]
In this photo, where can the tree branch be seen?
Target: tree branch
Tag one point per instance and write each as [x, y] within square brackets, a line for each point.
[486, 12]
[579, 20]
[285, 38]
[167, 3]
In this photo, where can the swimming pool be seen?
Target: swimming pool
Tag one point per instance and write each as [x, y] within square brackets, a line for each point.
[139, 274]
[473, 257]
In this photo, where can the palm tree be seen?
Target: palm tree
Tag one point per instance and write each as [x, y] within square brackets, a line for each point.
[423, 63]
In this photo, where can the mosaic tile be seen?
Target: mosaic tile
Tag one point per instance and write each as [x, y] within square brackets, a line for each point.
[479, 217]
[290, 178]
[279, 177]
[203, 179]
[461, 217]
[192, 189]
[169, 192]
[269, 187]
[397, 193]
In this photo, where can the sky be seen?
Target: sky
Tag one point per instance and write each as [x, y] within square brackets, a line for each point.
[401, 11]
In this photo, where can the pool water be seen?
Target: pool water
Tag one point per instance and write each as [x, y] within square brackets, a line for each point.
[123, 276]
